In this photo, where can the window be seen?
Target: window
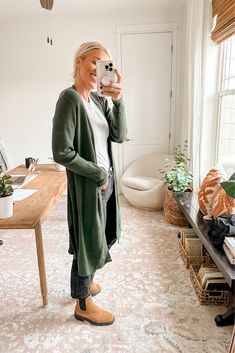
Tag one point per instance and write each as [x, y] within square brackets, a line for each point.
[226, 112]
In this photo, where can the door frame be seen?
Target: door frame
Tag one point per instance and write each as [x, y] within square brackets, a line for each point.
[143, 29]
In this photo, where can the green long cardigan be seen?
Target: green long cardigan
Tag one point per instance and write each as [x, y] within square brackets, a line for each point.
[73, 147]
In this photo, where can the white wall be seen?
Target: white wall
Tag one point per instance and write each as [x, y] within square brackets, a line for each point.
[180, 76]
[33, 73]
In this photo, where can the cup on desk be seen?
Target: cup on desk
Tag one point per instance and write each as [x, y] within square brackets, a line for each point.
[28, 161]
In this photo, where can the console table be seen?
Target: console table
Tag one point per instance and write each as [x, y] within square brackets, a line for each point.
[188, 202]
[33, 210]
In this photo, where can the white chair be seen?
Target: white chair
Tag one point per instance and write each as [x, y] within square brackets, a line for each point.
[142, 183]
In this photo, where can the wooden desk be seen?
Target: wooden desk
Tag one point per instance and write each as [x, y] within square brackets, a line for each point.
[32, 211]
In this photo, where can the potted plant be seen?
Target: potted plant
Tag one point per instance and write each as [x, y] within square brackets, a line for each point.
[178, 178]
[6, 195]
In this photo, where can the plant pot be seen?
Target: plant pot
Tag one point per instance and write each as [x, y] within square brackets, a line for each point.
[6, 206]
[172, 211]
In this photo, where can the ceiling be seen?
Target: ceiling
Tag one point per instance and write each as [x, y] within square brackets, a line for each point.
[25, 8]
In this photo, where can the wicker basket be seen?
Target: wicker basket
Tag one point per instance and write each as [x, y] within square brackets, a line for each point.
[188, 260]
[216, 297]
[191, 260]
[172, 211]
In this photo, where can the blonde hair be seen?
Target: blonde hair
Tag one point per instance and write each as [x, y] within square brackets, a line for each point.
[84, 49]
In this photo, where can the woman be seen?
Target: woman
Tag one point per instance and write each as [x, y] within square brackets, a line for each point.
[83, 128]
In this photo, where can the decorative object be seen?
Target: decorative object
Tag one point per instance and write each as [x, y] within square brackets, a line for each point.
[209, 188]
[224, 202]
[178, 178]
[6, 196]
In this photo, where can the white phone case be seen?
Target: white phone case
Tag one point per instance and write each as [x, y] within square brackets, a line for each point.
[104, 74]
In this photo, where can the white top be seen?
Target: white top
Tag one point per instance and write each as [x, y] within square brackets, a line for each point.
[101, 132]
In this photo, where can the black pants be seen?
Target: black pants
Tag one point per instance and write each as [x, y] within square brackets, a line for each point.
[80, 286]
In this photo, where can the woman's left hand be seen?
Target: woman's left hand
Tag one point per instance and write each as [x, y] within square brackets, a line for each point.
[104, 186]
[114, 90]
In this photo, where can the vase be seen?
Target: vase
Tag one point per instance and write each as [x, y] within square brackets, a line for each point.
[172, 211]
[6, 206]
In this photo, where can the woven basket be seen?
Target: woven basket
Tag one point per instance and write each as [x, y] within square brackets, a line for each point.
[189, 260]
[202, 259]
[172, 211]
[216, 297]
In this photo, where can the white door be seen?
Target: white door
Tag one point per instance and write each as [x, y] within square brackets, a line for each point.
[146, 66]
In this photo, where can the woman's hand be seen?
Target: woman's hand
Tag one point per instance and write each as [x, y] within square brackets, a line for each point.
[104, 186]
[114, 90]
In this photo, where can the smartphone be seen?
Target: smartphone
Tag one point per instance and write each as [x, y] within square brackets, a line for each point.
[104, 74]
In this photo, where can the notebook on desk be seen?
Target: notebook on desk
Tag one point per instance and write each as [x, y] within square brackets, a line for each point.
[20, 180]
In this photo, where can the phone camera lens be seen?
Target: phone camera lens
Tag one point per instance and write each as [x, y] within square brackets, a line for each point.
[111, 64]
[106, 67]
[110, 69]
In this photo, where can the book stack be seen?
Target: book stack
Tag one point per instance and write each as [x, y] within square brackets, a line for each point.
[193, 247]
[191, 243]
[229, 248]
[209, 284]
[212, 279]
[190, 247]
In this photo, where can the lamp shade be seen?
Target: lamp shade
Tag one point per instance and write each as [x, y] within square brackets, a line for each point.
[47, 4]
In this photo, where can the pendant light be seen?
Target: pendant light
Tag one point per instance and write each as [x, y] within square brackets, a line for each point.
[47, 5]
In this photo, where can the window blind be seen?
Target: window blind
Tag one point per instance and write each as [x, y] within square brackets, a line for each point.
[225, 21]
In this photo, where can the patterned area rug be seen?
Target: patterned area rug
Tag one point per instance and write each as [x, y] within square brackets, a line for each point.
[146, 286]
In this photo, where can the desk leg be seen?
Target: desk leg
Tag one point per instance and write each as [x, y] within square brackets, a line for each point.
[41, 262]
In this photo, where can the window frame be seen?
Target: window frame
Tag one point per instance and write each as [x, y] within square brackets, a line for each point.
[221, 94]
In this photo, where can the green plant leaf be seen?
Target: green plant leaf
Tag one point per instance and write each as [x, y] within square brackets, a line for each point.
[176, 173]
[229, 187]
[5, 185]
